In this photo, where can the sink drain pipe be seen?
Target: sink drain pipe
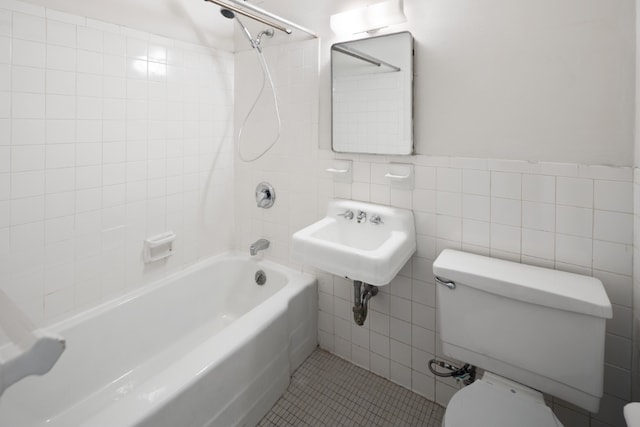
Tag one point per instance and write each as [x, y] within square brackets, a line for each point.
[362, 293]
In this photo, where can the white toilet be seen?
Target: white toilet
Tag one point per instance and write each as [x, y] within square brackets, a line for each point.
[531, 329]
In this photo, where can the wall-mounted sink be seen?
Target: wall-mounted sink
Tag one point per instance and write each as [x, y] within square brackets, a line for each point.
[361, 241]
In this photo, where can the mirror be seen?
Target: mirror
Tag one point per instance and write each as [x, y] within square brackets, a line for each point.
[372, 95]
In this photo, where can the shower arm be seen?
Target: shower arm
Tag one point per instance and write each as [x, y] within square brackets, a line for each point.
[241, 9]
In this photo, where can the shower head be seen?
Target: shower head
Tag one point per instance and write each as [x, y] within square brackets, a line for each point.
[268, 32]
[227, 13]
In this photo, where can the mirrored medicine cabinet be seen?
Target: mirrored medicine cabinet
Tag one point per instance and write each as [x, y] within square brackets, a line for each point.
[372, 95]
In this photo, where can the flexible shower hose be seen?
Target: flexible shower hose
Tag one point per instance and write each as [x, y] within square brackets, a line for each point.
[265, 74]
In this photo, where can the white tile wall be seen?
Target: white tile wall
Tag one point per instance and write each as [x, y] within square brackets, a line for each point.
[95, 156]
[292, 165]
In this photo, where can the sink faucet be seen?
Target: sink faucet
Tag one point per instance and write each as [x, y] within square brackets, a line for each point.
[258, 245]
[362, 216]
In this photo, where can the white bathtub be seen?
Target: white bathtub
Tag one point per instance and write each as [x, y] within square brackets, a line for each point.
[206, 347]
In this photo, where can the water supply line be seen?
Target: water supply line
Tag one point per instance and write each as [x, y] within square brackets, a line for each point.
[466, 374]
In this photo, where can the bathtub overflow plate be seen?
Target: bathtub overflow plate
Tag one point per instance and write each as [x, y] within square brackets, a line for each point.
[261, 277]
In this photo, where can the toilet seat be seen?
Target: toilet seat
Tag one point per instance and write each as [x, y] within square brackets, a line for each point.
[494, 402]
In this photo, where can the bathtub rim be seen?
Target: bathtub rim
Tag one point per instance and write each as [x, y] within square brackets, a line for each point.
[139, 291]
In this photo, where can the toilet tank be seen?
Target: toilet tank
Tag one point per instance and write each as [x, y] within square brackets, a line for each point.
[540, 327]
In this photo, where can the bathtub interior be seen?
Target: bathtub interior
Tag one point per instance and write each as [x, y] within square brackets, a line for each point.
[116, 348]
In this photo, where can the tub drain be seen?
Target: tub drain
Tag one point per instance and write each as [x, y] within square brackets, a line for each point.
[261, 277]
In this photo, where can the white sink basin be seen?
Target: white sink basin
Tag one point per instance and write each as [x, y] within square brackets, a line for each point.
[368, 250]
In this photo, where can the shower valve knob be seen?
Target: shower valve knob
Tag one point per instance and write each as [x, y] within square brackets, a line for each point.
[265, 195]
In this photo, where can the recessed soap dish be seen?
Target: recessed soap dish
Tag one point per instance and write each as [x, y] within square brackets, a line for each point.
[158, 247]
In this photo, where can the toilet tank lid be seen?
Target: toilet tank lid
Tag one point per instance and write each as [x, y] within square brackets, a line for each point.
[536, 285]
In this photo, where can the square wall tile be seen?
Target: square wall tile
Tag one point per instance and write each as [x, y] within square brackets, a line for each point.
[27, 210]
[574, 250]
[27, 184]
[505, 238]
[613, 196]
[90, 39]
[574, 192]
[539, 188]
[448, 203]
[617, 382]
[539, 216]
[506, 211]
[424, 200]
[380, 344]
[539, 244]
[476, 233]
[400, 353]
[60, 58]
[618, 351]
[613, 257]
[449, 179]
[506, 185]
[60, 82]
[28, 53]
[61, 33]
[28, 80]
[613, 227]
[28, 105]
[425, 177]
[476, 182]
[27, 158]
[574, 221]
[476, 207]
[29, 27]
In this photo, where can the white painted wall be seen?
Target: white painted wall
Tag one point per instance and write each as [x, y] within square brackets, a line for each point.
[542, 80]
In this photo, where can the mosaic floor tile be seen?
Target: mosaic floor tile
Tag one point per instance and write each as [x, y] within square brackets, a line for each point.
[329, 391]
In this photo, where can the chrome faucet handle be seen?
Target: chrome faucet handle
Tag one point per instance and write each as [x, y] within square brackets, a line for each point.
[265, 195]
[362, 216]
[347, 214]
[375, 219]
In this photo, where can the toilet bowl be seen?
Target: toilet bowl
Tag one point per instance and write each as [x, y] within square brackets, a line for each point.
[493, 401]
[632, 414]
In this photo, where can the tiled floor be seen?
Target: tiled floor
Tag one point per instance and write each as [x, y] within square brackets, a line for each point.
[329, 391]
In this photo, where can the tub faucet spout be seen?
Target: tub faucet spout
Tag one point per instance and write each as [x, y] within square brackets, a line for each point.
[258, 245]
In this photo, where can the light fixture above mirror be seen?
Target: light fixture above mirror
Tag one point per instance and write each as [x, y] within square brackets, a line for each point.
[370, 18]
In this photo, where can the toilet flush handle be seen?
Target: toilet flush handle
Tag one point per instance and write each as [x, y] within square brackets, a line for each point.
[448, 283]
